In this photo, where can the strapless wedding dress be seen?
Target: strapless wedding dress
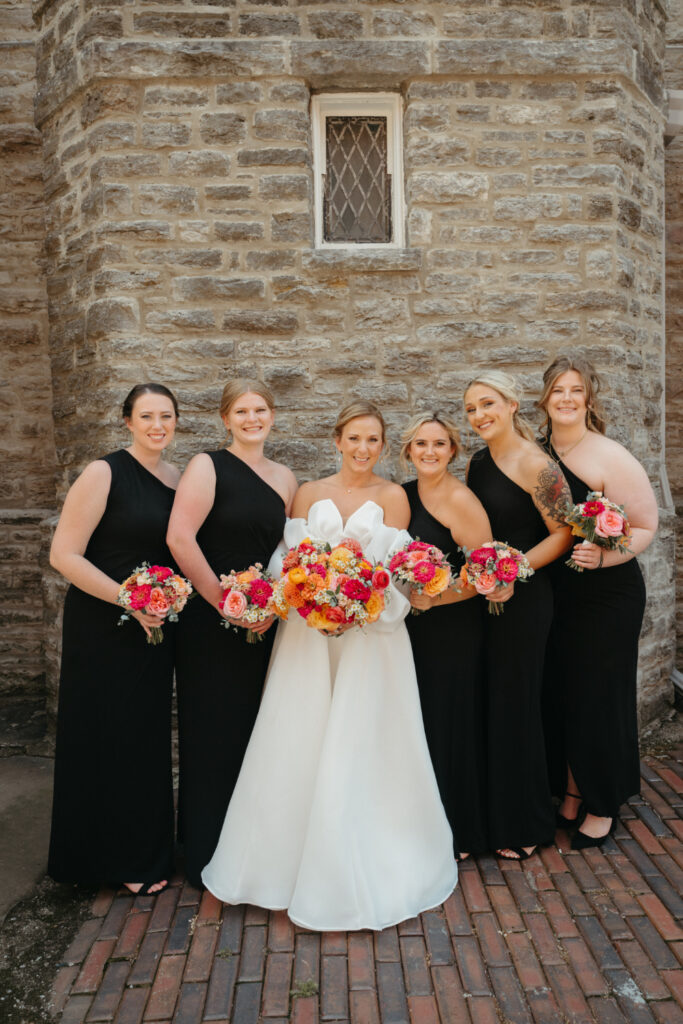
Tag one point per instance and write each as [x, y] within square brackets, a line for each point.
[336, 815]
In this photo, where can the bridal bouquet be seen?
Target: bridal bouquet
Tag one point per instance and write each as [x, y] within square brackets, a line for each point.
[424, 567]
[331, 586]
[494, 565]
[247, 595]
[599, 521]
[155, 589]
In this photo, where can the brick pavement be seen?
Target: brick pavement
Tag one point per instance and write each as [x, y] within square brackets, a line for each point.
[591, 936]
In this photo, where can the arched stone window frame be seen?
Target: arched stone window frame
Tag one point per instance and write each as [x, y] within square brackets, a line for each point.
[368, 104]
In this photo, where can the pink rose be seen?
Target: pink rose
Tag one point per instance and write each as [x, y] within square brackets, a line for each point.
[424, 572]
[235, 604]
[335, 615]
[485, 583]
[609, 524]
[351, 545]
[158, 605]
[380, 579]
[415, 556]
[139, 596]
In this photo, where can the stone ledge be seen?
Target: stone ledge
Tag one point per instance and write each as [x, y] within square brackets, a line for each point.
[534, 57]
[322, 262]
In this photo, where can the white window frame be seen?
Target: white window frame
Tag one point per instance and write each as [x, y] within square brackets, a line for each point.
[363, 104]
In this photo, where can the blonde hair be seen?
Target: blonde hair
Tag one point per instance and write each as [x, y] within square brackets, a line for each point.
[234, 388]
[413, 426]
[591, 382]
[353, 411]
[508, 387]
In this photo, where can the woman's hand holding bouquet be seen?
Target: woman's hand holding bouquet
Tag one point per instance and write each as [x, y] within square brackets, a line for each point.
[425, 569]
[247, 601]
[604, 527]
[492, 569]
[153, 594]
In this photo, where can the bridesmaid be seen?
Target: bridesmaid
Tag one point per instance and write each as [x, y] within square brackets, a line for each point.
[112, 816]
[446, 513]
[524, 494]
[229, 512]
[591, 680]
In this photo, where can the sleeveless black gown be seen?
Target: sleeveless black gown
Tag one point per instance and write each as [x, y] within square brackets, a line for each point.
[448, 648]
[219, 676]
[590, 678]
[520, 811]
[112, 816]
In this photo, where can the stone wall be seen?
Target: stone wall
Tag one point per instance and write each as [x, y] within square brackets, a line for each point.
[27, 459]
[178, 185]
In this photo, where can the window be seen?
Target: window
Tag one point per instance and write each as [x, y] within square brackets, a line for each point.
[358, 167]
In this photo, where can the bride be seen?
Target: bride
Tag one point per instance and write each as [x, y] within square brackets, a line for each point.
[336, 815]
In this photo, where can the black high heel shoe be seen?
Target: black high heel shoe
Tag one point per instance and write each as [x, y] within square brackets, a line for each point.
[568, 823]
[581, 841]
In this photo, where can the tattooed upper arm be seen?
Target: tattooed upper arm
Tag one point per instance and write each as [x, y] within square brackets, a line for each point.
[551, 493]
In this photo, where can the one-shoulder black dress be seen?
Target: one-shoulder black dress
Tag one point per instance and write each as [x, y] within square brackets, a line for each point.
[112, 817]
[219, 676]
[590, 712]
[448, 648]
[520, 811]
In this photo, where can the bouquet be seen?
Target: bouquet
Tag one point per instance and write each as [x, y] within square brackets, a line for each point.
[247, 595]
[599, 521]
[331, 586]
[155, 589]
[494, 565]
[424, 567]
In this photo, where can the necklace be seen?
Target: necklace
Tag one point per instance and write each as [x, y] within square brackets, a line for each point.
[566, 451]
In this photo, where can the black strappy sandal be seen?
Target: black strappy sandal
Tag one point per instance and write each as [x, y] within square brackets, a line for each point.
[568, 823]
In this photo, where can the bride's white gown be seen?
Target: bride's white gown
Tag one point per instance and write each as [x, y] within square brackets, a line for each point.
[336, 815]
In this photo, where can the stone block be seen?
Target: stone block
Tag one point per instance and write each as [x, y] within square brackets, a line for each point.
[227, 128]
[108, 281]
[444, 152]
[403, 24]
[191, 289]
[110, 315]
[227, 193]
[160, 134]
[131, 165]
[167, 199]
[497, 156]
[494, 24]
[188, 58]
[336, 25]
[185, 26]
[580, 173]
[378, 314]
[525, 208]
[290, 92]
[261, 321]
[537, 57]
[159, 96]
[238, 92]
[446, 187]
[202, 164]
[180, 257]
[117, 200]
[568, 302]
[273, 157]
[629, 213]
[269, 25]
[283, 186]
[271, 259]
[332, 263]
[103, 24]
[185, 319]
[238, 231]
[388, 61]
[290, 227]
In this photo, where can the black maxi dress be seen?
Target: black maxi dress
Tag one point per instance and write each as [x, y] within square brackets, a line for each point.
[448, 648]
[219, 676]
[520, 811]
[590, 710]
[112, 816]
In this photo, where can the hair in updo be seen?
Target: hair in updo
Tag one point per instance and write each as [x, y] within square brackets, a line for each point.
[591, 382]
[506, 385]
[353, 411]
[234, 388]
[146, 389]
[420, 420]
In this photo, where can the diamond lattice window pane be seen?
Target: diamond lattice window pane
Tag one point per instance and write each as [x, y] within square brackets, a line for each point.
[357, 203]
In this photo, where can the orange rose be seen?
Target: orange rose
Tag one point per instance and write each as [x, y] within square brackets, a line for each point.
[246, 577]
[297, 575]
[375, 606]
[340, 558]
[438, 583]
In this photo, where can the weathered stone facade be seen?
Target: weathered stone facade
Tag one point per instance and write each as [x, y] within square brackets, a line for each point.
[178, 191]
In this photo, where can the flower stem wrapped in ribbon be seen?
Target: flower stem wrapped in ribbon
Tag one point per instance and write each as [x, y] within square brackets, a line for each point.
[423, 567]
[155, 589]
[601, 522]
[331, 587]
[492, 566]
[248, 595]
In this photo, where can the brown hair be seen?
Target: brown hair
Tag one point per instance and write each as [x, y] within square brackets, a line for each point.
[412, 427]
[234, 388]
[146, 389]
[356, 409]
[591, 382]
[507, 386]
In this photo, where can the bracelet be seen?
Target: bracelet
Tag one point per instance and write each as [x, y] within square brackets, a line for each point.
[602, 558]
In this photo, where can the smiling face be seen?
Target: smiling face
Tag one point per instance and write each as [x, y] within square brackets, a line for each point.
[488, 412]
[152, 421]
[566, 402]
[249, 418]
[431, 449]
[360, 443]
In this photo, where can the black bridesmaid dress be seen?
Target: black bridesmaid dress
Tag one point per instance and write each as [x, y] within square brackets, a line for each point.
[112, 817]
[520, 811]
[219, 676]
[590, 712]
[448, 648]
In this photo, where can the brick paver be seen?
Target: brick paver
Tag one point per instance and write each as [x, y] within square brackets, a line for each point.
[580, 937]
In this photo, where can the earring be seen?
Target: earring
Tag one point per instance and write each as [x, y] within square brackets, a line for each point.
[338, 460]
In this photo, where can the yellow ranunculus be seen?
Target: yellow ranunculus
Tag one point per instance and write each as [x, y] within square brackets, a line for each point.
[340, 558]
[297, 575]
